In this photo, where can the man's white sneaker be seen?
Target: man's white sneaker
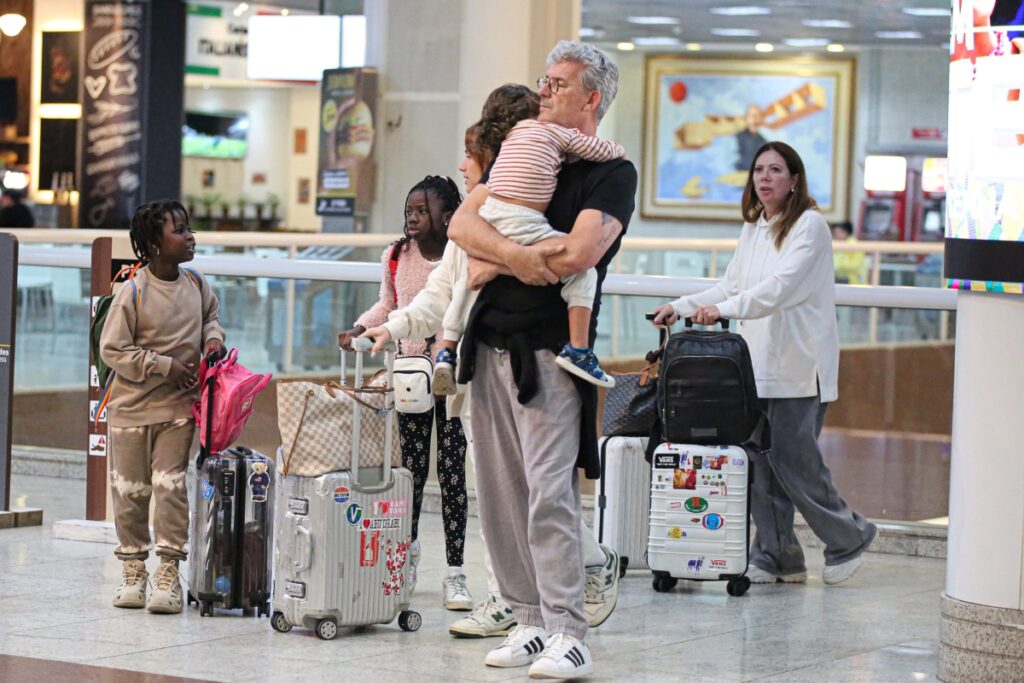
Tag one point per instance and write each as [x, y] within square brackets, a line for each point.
[166, 598]
[563, 657]
[492, 617]
[838, 573]
[601, 591]
[456, 593]
[520, 648]
[132, 591]
[758, 575]
[414, 561]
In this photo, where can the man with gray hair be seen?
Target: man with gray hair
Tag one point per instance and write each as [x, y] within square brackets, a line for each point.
[533, 423]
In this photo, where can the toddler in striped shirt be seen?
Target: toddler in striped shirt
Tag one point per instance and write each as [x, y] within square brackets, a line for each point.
[521, 184]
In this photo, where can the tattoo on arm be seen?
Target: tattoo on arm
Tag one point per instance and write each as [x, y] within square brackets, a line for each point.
[610, 228]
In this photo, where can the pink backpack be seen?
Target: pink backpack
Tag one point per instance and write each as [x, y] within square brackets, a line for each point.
[231, 389]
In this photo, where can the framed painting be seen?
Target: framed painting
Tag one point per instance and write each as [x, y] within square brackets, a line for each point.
[704, 119]
[60, 70]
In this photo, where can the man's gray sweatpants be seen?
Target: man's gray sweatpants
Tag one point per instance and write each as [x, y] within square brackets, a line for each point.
[528, 491]
[794, 475]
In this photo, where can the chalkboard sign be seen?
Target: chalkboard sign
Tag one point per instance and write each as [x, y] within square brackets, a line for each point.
[112, 121]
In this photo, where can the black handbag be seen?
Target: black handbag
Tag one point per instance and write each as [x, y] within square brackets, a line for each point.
[631, 406]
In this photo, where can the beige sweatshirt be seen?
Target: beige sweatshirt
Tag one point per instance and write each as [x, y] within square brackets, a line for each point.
[169, 320]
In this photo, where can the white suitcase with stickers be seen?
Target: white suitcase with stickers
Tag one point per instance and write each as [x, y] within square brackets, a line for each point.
[700, 512]
[342, 544]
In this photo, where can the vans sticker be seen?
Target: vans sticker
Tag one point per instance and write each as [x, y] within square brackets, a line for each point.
[666, 461]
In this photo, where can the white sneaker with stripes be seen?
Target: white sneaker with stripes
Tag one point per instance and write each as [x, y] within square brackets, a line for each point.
[563, 657]
[520, 648]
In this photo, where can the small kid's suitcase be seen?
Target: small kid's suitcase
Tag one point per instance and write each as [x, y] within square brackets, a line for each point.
[700, 508]
[343, 542]
[623, 499]
[231, 539]
[706, 388]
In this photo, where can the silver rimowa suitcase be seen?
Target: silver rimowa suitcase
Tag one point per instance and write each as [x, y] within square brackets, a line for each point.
[700, 511]
[342, 543]
[623, 499]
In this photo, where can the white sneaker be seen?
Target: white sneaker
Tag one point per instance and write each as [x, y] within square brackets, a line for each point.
[837, 573]
[492, 617]
[563, 657]
[602, 589]
[166, 598]
[414, 561]
[520, 648]
[456, 593]
[758, 575]
[131, 593]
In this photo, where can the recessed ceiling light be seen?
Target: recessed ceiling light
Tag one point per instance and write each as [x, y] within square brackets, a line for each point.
[740, 11]
[826, 23]
[764, 47]
[655, 41]
[835, 47]
[927, 11]
[806, 42]
[898, 35]
[654, 21]
[735, 32]
[625, 47]
[693, 47]
[587, 32]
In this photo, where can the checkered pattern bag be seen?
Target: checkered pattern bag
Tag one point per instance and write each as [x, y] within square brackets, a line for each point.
[316, 419]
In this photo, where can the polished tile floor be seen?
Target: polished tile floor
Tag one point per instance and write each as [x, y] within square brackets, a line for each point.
[55, 605]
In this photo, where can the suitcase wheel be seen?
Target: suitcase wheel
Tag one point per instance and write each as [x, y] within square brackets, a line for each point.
[737, 587]
[206, 609]
[664, 583]
[279, 623]
[623, 566]
[326, 629]
[409, 620]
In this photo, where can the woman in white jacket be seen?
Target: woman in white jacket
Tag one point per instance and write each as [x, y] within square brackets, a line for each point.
[780, 286]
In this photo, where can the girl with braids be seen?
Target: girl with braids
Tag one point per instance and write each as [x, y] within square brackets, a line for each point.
[428, 208]
[156, 327]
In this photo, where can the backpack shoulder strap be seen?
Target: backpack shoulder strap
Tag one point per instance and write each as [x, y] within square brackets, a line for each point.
[396, 248]
[196, 278]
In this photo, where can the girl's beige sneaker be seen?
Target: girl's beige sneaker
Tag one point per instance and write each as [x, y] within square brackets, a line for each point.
[166, 598]
[131, 594]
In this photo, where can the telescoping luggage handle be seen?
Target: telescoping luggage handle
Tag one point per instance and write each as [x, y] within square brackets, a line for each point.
[361, 345]
[723, 321]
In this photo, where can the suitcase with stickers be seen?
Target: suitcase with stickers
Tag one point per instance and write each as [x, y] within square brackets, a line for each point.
[342, 543]
[231, 536]
[623, 499]
[700, 512]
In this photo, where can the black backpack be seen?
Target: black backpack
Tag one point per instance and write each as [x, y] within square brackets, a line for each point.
[706, 389]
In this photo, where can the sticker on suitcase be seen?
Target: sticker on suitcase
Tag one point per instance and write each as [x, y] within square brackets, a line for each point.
[395, 556]
[342, 494]
[391, 507]
[259, 482]
[666, 461]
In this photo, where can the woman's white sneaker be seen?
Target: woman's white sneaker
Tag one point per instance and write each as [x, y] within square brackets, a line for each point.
[492, 617]
[837, 573]
[456, 593]
[564, 656]
[520, 648]
[758, 575]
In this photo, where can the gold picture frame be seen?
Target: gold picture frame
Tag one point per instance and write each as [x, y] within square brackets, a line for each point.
[705, 117]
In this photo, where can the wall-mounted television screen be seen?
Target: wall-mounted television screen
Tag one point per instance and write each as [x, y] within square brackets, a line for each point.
[8, 100]
[215, 135]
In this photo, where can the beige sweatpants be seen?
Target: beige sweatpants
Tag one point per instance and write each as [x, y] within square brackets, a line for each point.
[147, 461]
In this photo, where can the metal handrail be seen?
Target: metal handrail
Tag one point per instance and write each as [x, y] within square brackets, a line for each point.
[930, 298]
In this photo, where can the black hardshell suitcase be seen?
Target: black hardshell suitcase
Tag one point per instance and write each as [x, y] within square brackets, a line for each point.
[706, 389]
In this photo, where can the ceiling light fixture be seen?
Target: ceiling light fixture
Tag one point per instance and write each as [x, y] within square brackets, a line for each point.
[806, 42]
[898, 35]
[835, 47]
[654, 21]
[587, 32]
[764, 47]
[740, 11]
[927, 11]
[736, 32]
[693, 47]
[625, 47]
[826, 23]
[11, 24]
[284, 13]
[656, 41]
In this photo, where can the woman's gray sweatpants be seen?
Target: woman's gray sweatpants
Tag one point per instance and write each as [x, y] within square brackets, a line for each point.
[528, 491]
[793, 475]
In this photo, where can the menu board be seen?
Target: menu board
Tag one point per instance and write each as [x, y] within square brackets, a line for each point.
[346, 168]
[112, 150]
[984, 247]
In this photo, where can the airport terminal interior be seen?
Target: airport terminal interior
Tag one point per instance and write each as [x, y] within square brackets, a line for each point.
[291, 132]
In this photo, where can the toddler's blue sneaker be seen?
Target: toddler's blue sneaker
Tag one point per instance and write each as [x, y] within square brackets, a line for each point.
[444, 373]
[584, 364]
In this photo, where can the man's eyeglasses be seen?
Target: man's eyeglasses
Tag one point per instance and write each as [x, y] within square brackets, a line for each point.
[553, 84]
